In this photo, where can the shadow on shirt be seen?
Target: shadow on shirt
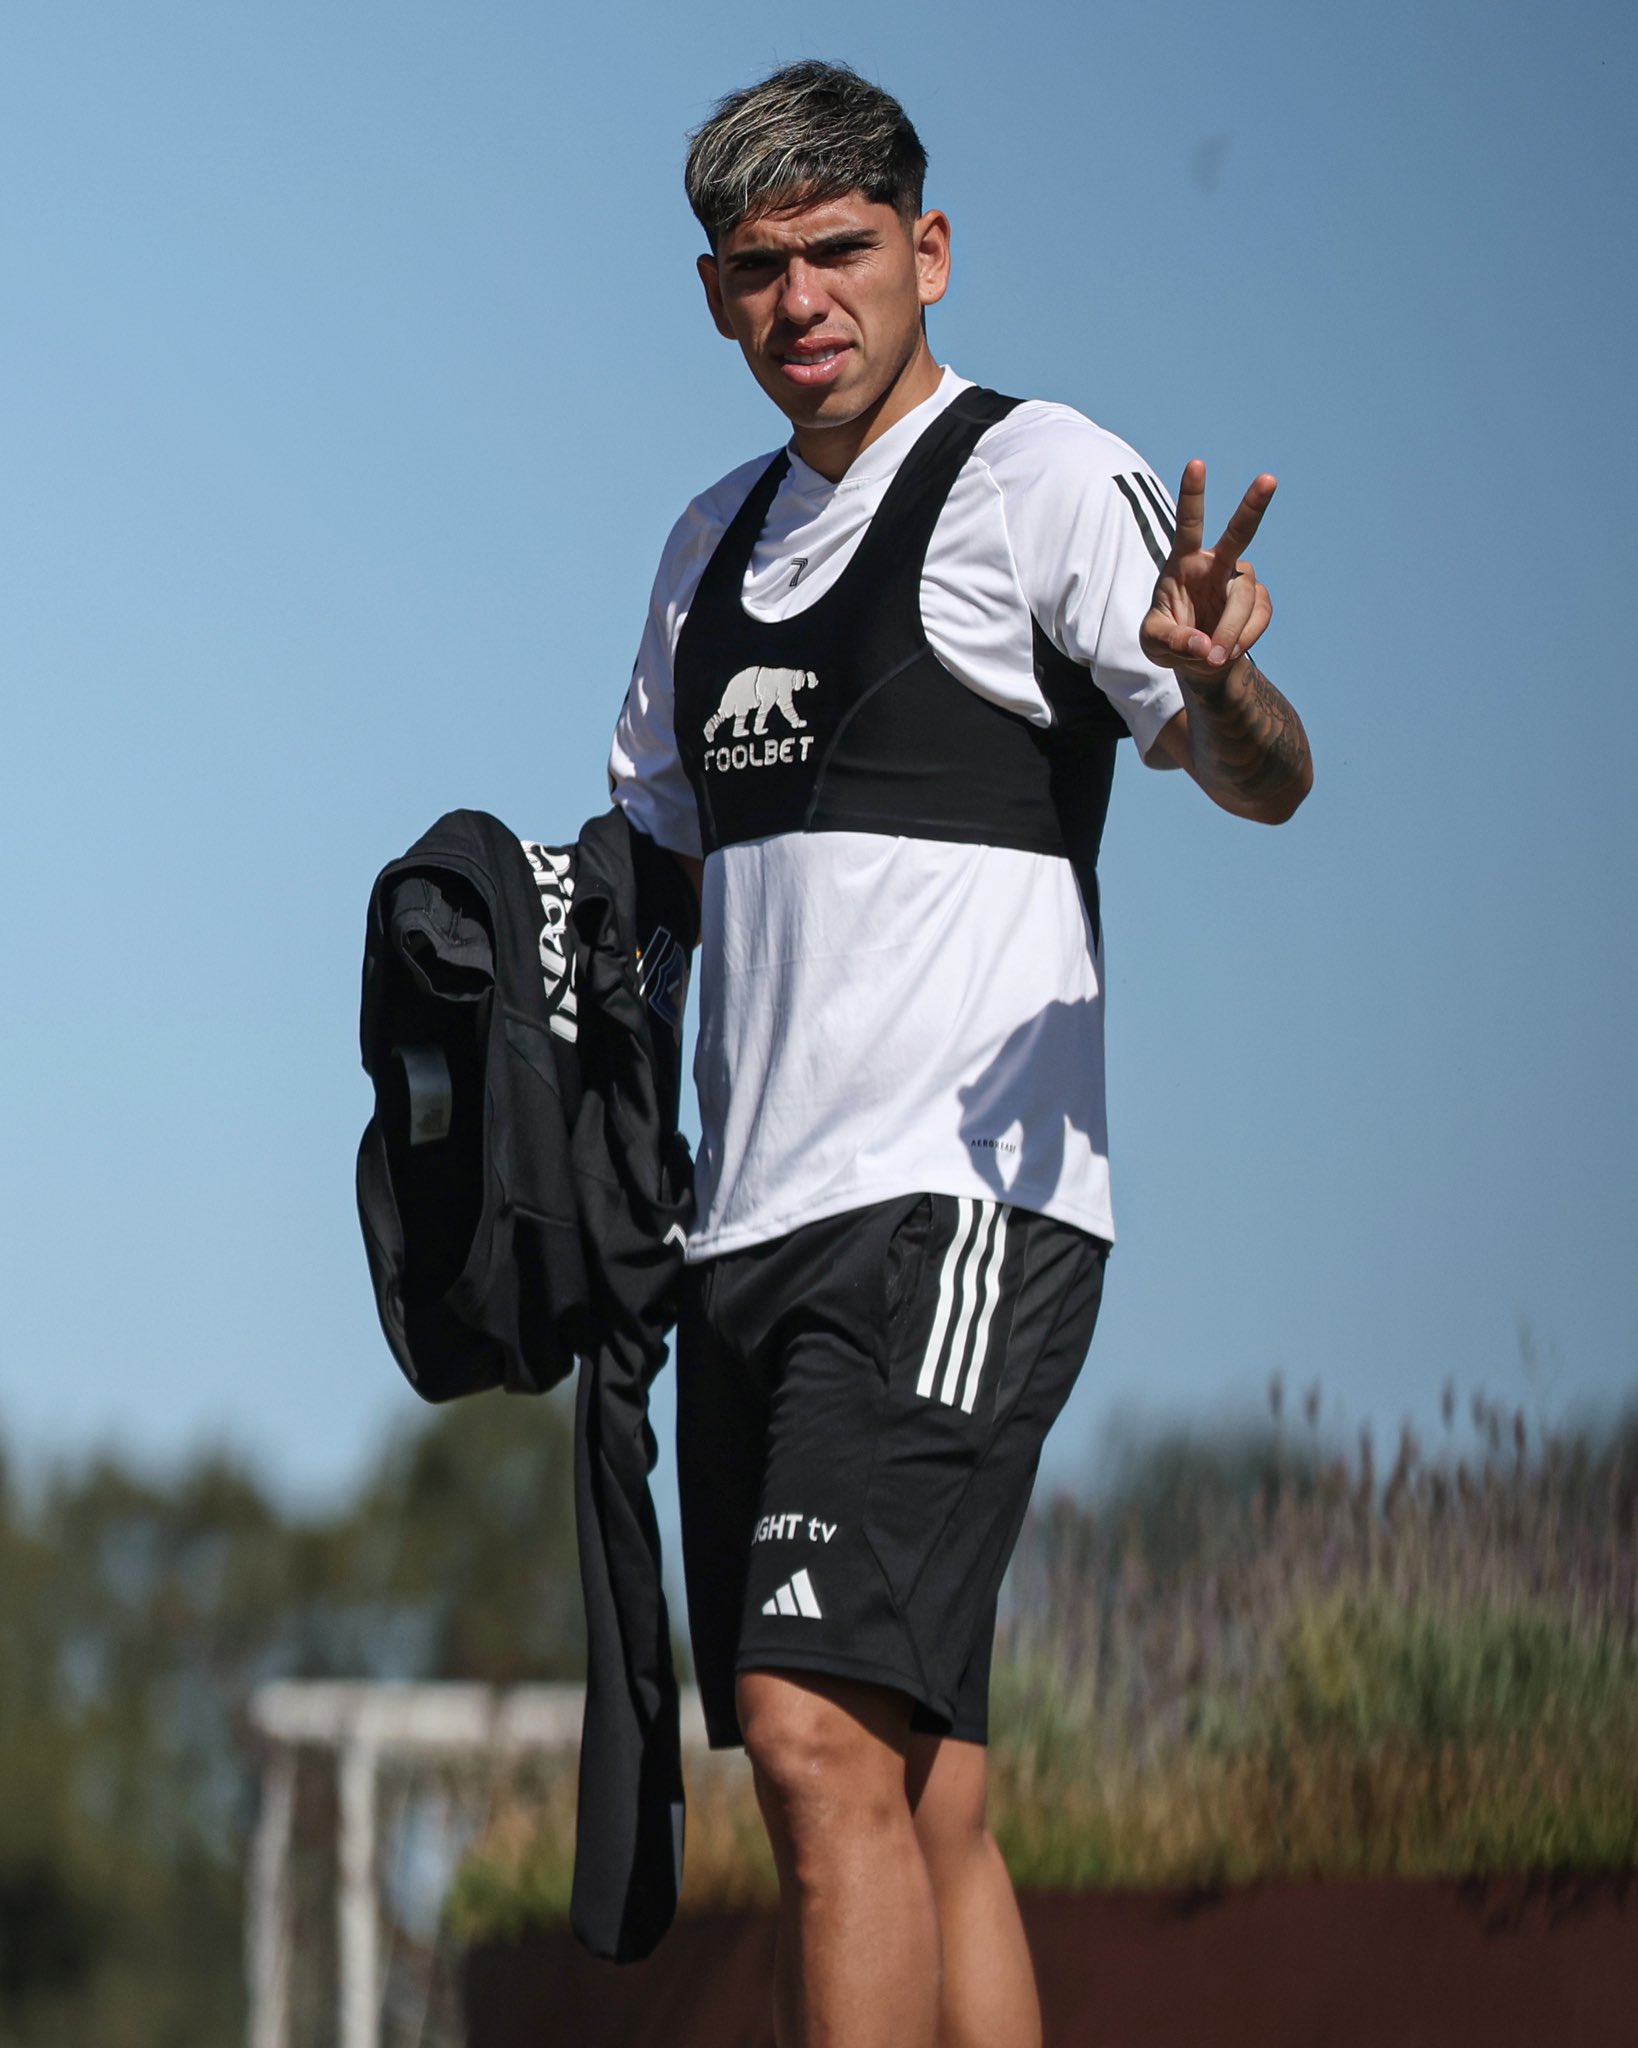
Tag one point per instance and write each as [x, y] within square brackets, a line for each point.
[1064, 1040]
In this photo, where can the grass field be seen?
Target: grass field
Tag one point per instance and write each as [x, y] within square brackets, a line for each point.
[1258, 1658]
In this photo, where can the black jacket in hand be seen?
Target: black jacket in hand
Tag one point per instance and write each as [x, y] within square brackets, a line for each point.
[525, 1198]
[465, 1184]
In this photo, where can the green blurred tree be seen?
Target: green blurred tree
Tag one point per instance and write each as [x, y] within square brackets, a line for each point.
[136, 1617]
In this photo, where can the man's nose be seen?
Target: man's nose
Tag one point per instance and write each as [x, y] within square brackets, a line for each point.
[803, 300]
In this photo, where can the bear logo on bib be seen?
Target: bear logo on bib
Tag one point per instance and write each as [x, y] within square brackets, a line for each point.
[760, 690]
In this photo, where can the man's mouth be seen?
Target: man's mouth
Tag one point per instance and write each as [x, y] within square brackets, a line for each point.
[813, 365]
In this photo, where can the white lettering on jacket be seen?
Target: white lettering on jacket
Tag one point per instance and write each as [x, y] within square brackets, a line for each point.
[553, 870]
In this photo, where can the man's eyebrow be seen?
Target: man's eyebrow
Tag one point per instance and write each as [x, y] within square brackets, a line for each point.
[841, 244]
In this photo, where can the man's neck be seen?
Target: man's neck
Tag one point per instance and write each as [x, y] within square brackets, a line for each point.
[832, 450]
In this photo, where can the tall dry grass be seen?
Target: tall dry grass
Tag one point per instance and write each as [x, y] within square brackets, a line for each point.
[520, 1872]
[1318, 1668]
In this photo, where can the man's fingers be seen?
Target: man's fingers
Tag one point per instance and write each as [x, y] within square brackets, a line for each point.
[1191, 509]
[1186, 644]
[1262, 612]
[1191, 513]
[1248, 516]
[1165, 639]
[1239, 605]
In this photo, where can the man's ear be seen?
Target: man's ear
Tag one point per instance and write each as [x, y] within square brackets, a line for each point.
[930, 237]
[711, 278]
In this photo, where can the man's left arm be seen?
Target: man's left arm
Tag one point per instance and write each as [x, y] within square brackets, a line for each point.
[1236, 735]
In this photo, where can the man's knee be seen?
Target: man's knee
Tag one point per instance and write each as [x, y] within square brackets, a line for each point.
[948, 1786]
[827, 1752]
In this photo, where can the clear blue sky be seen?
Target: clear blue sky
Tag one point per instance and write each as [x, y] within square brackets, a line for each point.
[352, 370]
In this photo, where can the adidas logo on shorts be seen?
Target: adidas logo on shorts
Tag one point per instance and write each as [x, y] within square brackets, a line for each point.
[796, 1596]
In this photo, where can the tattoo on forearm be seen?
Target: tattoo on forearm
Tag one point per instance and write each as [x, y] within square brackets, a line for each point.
[1251, 745]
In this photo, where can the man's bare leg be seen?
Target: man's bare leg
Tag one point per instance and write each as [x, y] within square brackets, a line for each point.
[858, 1932]
[989, 1997]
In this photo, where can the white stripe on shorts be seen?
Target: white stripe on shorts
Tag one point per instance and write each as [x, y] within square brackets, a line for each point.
[972, 1281]
[992, 1295]
[965, 1208]
[969, 1286]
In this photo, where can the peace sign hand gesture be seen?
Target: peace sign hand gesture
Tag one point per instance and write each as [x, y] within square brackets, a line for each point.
[1208, 608]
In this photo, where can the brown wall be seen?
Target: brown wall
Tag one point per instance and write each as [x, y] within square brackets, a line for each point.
[1506, 1964]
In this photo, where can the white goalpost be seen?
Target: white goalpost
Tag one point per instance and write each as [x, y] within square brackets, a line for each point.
[329, 1747]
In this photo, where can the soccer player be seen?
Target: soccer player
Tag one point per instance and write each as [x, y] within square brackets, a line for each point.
[876, 710]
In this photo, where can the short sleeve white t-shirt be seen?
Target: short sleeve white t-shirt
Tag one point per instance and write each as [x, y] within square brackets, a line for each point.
[883, 1016]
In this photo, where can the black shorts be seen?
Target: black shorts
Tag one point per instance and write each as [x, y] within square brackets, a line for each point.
[860, 1411]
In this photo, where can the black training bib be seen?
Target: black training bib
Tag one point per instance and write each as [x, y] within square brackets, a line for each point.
[843, 719]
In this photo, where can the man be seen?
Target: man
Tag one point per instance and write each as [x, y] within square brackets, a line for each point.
[879, 697]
